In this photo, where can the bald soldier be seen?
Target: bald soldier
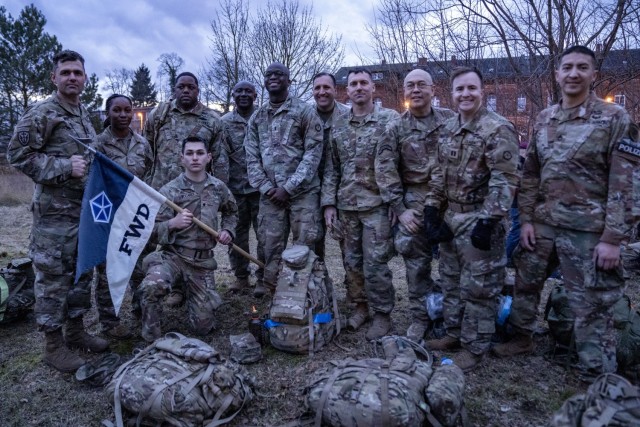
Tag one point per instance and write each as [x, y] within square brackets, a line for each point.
[284, 148]
[404, 165]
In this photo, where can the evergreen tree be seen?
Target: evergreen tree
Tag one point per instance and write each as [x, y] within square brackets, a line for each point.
[143, 92]
[90, 98]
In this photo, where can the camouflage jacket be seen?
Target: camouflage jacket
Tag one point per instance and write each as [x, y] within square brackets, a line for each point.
[349, 177]
[165, 129]
[408, 155]
[215, 197]
[284, 147]
[478, 163]
[582, 170]
[338, 109]
[41, 145]
[132, 153]
[236, 129]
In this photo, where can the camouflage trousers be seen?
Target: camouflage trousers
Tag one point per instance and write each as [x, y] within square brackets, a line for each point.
[248, 206]
[417, 255]
[301, 218]
[367, 249]
[592, 292]
[166, 269]
[471, 281]
[53, 249]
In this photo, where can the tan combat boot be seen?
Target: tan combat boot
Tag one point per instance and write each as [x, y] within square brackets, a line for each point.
[57, 355]
[76, 337]
[417, 329]
[174, 299]
[358, 317]
[119, 331]
[444, 343]
[520, 344]
[239, 285]
[380, 326]
[466, 360]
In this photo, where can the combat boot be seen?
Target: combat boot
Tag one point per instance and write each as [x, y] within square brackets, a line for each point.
[57, 355]
[359, 316]
[119, 331]
[239, 285]
[76, 337]
[520, 344]
[174, 299]
[466, 360]
[380, 326]
[260, 289]
[444, 343]
[417, 329]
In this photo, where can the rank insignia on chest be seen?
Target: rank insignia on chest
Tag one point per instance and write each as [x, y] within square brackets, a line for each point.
[453, 153]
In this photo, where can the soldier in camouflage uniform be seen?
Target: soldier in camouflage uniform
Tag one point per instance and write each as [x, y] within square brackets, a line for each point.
[349, 185]
[478, 164]
[186, 250]
[324, 93]
[42, 147]
[169, 124]
[284, 148]
[247, 197]
[131, 151]
[578, 203]
[403, 170]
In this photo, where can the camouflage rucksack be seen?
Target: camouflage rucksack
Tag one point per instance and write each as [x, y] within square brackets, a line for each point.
[610, 401]
[179, 381]
[399, 390]
[560, 318]
[16, 290]
[304, 312]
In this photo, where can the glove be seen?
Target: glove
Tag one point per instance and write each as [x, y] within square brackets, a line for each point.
[481, 234]
[432, 223]
[444, 233]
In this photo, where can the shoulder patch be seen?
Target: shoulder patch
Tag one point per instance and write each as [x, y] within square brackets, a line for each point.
[628, 146]
[383, 148]
[507, 155]
[24, 137]
[318, 128]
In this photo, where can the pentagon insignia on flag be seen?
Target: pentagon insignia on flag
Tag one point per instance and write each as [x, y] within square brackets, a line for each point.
[101, 208]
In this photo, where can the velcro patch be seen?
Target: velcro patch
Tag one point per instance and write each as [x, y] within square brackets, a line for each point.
[24, 137]
[627, 146]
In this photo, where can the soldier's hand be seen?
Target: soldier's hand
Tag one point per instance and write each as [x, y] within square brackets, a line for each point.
[411, 220]
[78, 166]
[606, 256]
[181, 221]
[527, 237]
[224, 237]
[330, 215]
[279, 197]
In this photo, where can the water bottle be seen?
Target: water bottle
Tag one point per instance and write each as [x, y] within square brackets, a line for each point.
[504, 309]
[434, 305]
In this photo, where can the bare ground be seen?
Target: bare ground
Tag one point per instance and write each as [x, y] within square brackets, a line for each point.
[524, 391]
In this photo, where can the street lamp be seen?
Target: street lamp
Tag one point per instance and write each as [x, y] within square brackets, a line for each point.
[140, 116]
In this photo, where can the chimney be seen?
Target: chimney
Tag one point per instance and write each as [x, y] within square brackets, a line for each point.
[453, 60]
[383, 62]
[422, 61]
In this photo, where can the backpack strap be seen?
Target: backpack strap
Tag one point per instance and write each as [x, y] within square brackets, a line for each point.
[384, 394]
[158, 121]
[325, 395]
[216, 419]
[117, 404]
[311, 332]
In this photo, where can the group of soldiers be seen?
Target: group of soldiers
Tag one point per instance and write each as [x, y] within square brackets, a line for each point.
[377, 181]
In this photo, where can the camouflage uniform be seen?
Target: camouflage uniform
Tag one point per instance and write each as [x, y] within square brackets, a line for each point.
[186, 255]
[41, 147]
[350, 185]
[283, 148]
[479, 167]
[165, 129]
[580, 186]
[247, 197]
[403, 170]
[133, 153]
[328, 119]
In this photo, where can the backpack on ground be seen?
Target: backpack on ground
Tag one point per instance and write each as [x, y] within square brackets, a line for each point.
[179, 381]
[400, 389]
[610, 401]
[304, 313]
[626, 320]
[16, 290]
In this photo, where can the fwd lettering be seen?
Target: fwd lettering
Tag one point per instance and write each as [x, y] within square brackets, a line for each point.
[134, 228]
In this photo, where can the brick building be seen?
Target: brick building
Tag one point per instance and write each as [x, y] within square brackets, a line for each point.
[518, 96]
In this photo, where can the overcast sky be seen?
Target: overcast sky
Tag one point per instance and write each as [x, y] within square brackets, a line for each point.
[125, 33]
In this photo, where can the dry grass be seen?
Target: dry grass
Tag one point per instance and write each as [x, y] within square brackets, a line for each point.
[15, 187]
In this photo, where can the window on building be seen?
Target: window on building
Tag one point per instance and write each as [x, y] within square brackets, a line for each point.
[522, 103]
[377, 76]
[492, 103]
[435, 101]
[620, 100]
[378, 102]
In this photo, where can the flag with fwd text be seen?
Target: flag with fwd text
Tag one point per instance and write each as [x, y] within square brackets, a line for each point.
[118, 213]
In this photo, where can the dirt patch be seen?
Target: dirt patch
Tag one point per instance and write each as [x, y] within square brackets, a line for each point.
[524, 391]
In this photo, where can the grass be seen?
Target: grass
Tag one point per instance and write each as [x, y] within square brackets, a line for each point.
[15, 187]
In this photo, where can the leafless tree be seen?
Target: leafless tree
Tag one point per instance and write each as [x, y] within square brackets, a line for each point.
[170, 64]
[118, 80]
